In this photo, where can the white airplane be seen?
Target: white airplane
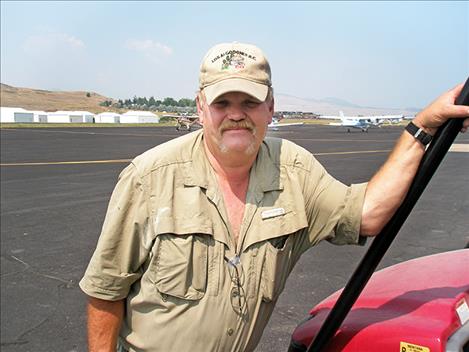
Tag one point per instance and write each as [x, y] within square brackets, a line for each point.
[386, 118]
[186, 122]
[275, 124]
[363, 122]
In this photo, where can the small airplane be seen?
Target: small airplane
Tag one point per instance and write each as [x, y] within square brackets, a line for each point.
[275, 124]
[185, 122]
[363, 122]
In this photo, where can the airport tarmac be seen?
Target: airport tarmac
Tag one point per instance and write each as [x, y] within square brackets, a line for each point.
[56, 183]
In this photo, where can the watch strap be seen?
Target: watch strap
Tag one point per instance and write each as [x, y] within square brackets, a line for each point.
[418, 133]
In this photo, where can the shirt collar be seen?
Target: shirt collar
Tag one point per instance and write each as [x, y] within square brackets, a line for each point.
[264, 176]
[266, 169]
[198, 169]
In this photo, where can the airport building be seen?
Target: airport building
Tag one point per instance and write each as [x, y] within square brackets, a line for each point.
[58, 117]
[70, 117]
[108, 117]
[139, 117]
[18, 115]
[81, 117]
[40, 116]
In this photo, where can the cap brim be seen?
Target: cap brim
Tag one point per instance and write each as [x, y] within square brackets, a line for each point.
[256, 90]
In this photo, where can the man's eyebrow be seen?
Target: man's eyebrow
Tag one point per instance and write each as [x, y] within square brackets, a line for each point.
[253, 100]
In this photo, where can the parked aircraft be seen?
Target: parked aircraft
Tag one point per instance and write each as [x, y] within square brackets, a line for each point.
[363, 122]
[275, 124]
[185, 122]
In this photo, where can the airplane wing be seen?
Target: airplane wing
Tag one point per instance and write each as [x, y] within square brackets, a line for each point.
[275, 125]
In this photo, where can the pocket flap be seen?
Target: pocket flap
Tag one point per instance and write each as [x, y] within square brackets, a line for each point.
[180, 268]
[183, 225]
[284, 223]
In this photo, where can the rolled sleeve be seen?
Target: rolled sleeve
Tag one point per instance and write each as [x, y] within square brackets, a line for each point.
[334, 210]
[121, 249]
[347, 230]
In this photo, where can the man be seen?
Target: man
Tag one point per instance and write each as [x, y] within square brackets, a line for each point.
[202, 231]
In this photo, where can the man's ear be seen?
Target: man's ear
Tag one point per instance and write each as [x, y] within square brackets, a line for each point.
[199, 102]
[271, 109]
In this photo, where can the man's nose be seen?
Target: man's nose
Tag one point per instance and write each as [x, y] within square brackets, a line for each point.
[236, 113]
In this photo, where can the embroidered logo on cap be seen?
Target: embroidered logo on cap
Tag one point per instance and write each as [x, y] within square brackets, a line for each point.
[234, 60]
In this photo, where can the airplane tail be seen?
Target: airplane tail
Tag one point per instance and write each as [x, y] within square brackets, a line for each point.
[342, 116]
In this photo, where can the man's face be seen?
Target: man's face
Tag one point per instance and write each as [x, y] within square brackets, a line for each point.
[235, 122]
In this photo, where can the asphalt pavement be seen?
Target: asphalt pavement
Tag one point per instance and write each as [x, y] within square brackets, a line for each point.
[56, 183]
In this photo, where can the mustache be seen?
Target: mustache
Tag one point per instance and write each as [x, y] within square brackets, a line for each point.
[230, 124]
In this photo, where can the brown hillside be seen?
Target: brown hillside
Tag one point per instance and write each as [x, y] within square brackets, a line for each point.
[36, 99]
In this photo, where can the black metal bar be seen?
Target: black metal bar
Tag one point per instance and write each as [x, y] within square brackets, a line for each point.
[432, 158]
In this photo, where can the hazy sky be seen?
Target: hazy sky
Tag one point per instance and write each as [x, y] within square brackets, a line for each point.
[382, 54]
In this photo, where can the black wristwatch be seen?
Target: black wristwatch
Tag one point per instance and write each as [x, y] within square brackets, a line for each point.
[418, 133]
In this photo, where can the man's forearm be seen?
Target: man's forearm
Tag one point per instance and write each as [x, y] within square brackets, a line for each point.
[104, 321]
[388, 187]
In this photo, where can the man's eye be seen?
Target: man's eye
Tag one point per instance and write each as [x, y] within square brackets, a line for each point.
[220, 103]
[252, 104]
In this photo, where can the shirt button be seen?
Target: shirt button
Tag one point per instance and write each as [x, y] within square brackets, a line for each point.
[230, 331]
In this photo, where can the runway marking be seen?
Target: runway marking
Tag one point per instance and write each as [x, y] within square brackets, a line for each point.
[129, 160]
[354, 152]
[150, 134]
[68, 162]
[464, 148]
[90, 133]
[344, 140]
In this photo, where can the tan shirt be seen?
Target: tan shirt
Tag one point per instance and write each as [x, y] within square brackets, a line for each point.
[166, 246]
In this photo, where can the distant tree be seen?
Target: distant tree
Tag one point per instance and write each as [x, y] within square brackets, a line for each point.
[118, 105]
[169, 102]
[184, 102]
[88, 94]
[106, 103]
[141, 101]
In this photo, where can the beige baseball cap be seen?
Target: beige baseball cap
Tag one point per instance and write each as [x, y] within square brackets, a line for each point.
[235, 67]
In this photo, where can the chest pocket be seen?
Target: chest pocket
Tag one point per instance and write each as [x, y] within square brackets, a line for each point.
[180, 267]
[277, 266]
[281, 242]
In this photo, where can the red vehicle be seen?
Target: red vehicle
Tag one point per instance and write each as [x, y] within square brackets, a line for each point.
[416, 306]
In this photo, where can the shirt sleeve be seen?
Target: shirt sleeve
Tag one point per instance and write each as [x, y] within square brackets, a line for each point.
[123, 244]
[334, 210]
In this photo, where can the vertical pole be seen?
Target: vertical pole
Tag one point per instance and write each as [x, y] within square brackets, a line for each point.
[432, 158]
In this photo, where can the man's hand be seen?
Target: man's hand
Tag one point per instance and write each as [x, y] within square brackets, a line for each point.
[104, 321]
[441, 109]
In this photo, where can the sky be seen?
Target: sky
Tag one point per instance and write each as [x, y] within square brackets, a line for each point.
[379, 54]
